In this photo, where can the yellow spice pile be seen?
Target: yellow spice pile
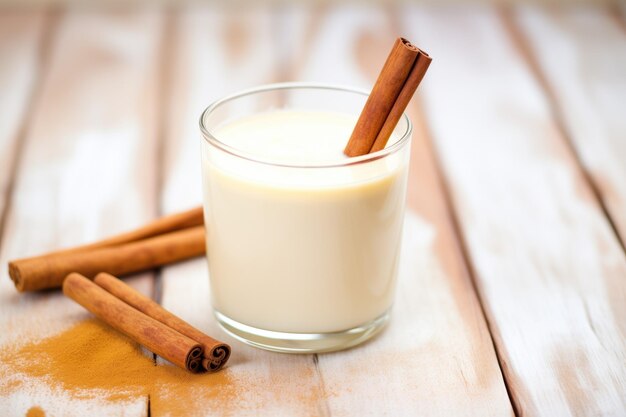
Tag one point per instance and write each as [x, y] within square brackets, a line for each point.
[91, 360]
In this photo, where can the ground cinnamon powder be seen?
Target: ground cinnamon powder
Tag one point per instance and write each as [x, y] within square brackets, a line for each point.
[35, 412]
[90, 360]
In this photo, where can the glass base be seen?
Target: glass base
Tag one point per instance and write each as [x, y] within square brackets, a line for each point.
[301, 342]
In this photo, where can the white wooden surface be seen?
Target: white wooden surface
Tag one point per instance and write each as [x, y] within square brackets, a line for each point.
[582, 54]
[87, 170]
[549, 269]
[112, 140]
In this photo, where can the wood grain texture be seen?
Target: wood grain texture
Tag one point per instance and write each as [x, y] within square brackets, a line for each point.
[21, 50]
[214, 53]
[549, 269]
[581, 56]
[87, 171]
[436, 357]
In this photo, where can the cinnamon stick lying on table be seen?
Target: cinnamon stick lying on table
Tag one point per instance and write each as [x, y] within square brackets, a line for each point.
[403, 71]
[44, 272]
[154, 335]
[215, 353]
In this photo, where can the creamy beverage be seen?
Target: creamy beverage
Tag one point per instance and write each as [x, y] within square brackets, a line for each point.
[297, 240]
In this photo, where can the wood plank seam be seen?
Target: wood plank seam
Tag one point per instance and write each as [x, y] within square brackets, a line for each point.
[523, 46]
[464, 251]
[45, 46]
[537, 273]
[163, 91]
[471, 269]
[165, 83]
[466, 259]
[164, 79]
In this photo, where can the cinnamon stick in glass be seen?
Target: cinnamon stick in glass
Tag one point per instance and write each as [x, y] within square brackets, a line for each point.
[45, 272]
[402, 101]
[403, 71]
[154, 335]
[215, 353]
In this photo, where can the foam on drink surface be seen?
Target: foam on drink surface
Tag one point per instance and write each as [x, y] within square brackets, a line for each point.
[291, 137]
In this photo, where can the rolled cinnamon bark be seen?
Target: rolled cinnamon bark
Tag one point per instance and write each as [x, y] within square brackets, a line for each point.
[154, 335]
[216, 353]
[404, 69]
[402, 101]
[380, 101]
[44, 272]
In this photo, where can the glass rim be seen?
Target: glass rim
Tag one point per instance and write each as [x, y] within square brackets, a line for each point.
[210, 138]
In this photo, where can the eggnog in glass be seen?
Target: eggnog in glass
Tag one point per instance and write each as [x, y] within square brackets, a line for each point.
[302, 241]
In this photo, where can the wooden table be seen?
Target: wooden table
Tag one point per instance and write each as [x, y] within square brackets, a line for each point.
[512, 289]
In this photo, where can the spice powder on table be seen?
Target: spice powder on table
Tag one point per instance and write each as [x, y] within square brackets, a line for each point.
[81, 361]
[91, 360]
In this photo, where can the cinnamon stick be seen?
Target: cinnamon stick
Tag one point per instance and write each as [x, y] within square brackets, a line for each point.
[402, 101]
[39, 273]
[401, 74]
[154, 335]
[215, 353]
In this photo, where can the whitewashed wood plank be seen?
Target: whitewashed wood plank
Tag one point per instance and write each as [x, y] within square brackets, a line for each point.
[581, 54]
[436, 358]
[549, 269]
[88, 170]
[21, 49]
[217, 52]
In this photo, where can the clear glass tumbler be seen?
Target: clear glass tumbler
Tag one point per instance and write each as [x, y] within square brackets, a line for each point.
[302, 258]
